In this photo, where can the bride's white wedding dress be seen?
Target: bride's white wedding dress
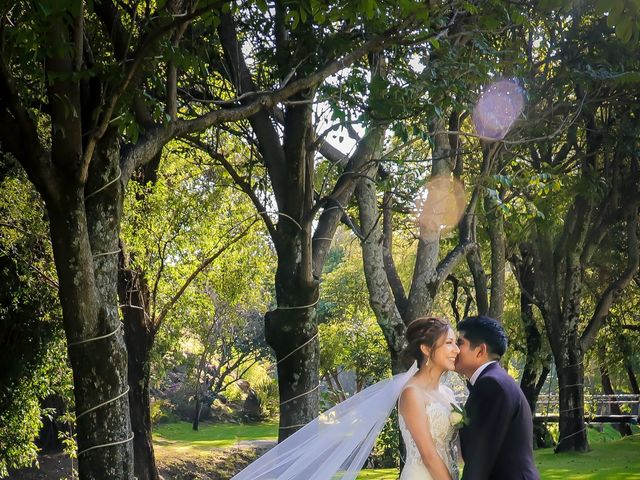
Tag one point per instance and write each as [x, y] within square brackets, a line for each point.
[438, 407]
[335, 445]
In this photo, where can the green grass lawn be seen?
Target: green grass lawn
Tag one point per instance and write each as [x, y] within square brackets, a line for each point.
[176, 438]
[609, 459]
[614, 460]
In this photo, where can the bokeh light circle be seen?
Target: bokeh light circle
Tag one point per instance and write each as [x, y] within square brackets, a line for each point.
[442, 207]
[499, 106]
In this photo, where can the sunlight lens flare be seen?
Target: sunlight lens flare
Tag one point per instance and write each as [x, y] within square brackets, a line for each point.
[440, 210]
[500, 104]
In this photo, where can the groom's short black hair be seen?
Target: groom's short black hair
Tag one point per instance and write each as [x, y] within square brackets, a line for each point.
[487, 330]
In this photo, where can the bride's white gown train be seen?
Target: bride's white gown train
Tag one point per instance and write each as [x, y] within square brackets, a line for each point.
[437, 404]
[335, 445]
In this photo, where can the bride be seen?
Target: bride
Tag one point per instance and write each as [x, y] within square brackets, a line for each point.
[426, 404]
[335, 445]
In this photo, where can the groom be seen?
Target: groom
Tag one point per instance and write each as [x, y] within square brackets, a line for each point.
[497, 442]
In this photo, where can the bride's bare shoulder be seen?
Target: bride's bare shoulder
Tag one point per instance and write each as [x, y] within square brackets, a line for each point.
[412, 393]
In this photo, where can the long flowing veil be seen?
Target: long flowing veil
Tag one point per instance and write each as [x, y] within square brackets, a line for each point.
[335, 445]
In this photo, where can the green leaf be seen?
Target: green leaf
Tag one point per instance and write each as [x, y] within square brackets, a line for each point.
[624, 28]
[262, 6]
[551, 4]
[602, 7]
[626, 78]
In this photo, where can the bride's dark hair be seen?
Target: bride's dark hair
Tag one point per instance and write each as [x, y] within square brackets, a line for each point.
[424, 331]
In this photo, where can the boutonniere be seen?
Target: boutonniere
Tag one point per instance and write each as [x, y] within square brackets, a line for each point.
[458, 417]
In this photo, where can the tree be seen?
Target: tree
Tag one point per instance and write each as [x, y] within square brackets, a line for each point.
[449, 105]
[177, 226]
[582, 169]
[233, 342]
[31, 343]
[100, 101]
[302, 38]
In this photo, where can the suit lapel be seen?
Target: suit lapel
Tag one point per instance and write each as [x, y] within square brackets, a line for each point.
[471, 397]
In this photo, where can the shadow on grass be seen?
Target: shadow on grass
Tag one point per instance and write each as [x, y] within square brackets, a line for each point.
[613, 460]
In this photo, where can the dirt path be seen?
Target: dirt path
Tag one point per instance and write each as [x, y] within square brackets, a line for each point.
[216, 464]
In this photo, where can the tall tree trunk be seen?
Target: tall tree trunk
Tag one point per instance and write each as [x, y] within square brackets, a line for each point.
[139, 336]
[291, 330]
[607, 387]
[573, 430]
[633, 382]
[536, 368]
[196, 412]
[474, 262]
[495, 227]
[85, 244]
[381, 297]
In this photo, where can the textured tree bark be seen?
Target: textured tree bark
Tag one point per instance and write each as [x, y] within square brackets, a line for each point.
[607, 388]
[633, 381]
[536, 367]
[85, 252]
[495, 227]
[381, 298]
[134, 298]
[291, 331]
[573, 431]
[474, 262]
[569, 362]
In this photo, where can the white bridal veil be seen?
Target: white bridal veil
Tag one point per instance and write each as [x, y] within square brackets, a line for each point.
[335, 445]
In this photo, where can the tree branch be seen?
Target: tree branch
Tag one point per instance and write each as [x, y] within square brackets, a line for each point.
[102, 121]
[155, 138]
[240, 77]
[244, 185]
[204, 264]
[613, 291]
[22, 139]
[387, 252]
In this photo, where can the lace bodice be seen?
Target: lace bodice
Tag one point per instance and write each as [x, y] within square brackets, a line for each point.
[438, 408]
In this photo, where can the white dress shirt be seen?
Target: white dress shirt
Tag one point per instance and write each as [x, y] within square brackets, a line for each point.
[478, 371]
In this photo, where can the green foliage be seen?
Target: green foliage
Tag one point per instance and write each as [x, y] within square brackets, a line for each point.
[33, 355]
[350, 338]
[386, 452]
[213, 332]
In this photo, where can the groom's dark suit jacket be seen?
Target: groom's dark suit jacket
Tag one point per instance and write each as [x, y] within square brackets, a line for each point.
[497, 444]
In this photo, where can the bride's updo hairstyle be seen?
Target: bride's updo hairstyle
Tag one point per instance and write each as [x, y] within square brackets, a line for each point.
[424, 331]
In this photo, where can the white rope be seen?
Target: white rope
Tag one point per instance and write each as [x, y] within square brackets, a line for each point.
[106, 253]
[105, 445]
[79, 342]
[572, 385]
[322, 238]
[569, 436]
[106, 185]
[333, 208]
[103, 403]
[293, 426]
[305, 393]
[296, 349]
[265, 212]
[301, 395]
[299, 307]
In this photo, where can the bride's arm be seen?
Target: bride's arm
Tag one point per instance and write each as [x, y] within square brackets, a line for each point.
[412, 409]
